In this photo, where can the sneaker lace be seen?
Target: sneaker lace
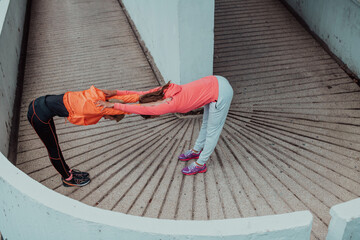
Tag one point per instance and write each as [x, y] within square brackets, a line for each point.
[188, 152]
[79, 179]
[192, 166]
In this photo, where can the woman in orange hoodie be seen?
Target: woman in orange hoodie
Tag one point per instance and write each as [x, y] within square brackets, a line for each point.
[79, 108]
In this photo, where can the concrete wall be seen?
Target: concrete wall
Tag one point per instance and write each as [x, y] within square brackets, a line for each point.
[337, 23]
[43, 214]
[12, 16]
[179, 35]
[345, 221]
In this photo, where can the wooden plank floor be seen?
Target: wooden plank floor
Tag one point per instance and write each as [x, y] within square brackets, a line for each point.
[290, 143]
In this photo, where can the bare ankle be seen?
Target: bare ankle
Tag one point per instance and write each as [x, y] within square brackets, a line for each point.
[194, 151]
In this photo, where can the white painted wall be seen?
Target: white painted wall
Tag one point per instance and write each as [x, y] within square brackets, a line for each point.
[43, 214]
[345, 221]
[12, 15]
[179, 35]
[337, 23]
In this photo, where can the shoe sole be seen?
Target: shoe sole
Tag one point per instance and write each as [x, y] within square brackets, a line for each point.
[202, 171]
[75, 185]
[187, 159]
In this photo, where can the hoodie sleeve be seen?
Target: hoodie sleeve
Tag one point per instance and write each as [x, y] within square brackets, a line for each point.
[112, 111]
[128, 98]
[119, 92]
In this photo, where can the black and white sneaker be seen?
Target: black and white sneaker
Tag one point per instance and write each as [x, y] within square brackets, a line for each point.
[79, 173]
[76, 181]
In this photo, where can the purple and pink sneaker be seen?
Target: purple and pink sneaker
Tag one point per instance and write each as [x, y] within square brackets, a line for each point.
[188, 155]
[193, 168]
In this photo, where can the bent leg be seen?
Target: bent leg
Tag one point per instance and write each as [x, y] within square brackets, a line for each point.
[200, 141]
[46, 131]
[217, 116]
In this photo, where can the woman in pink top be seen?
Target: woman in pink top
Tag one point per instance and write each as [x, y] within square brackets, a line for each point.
[212, 92]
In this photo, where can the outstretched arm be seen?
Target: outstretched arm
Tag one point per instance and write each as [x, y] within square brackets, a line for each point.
[130, 98]
[143, 109]
[119, 92]
[111, 93]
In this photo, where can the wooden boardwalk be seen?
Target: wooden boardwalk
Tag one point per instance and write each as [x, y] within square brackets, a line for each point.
[291, 141]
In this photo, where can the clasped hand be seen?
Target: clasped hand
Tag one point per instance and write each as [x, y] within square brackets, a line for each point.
[109, 93]
[104, 104]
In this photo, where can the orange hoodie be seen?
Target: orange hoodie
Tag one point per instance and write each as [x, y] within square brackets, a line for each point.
[82, 109]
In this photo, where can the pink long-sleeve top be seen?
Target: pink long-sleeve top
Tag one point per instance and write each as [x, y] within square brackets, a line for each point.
[184, 98]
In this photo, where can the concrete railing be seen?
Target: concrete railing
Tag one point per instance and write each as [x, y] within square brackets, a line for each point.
[29, 210]
[345, 221]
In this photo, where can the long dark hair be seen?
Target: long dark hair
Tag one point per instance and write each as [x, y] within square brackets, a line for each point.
[153, 97]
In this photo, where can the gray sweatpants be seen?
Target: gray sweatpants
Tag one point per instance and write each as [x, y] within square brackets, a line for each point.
[213, 121]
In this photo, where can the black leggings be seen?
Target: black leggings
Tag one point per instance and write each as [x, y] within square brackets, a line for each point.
[40, 115]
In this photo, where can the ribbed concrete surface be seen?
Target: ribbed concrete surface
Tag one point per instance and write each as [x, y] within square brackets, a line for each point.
[291, 141]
